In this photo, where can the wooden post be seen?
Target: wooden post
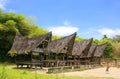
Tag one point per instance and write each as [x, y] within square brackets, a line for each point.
[56, 59]
[45, 58]
[63, 58]
[74, 60]
[31, 56]
[86, 61]
[79, 60]
[40, 57]
[67, 60]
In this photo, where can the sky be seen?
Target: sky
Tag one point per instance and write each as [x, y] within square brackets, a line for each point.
[89, 18]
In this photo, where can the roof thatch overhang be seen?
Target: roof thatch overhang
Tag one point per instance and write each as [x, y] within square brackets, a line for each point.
[100, 50]
[63, 45]
[23, 44]
[81, 48]
[19, 44]
[76, 48]
[39, 42]
[91, 50]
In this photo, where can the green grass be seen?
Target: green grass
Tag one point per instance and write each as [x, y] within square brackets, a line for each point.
[8, 73]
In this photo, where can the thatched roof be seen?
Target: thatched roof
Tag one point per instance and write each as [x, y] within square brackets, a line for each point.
[77, 48]
[34, 42]
[81, 48]
[22, 43]
[19, 44]
[63, 45]
[91, 50]
[100, 50]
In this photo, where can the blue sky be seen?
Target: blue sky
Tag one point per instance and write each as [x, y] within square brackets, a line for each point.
[89, 18]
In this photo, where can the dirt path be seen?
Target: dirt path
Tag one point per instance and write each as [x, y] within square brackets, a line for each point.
[99, 72]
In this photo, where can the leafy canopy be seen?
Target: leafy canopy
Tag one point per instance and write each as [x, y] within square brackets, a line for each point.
[10, 23]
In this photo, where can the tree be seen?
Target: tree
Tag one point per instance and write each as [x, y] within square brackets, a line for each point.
[116, 49]
[105, 36]
[36, 31]
[116, 38]
[79, 39]
[10, 23]
[108, 52]
[56, 37]
[96, 41]
[116, 46]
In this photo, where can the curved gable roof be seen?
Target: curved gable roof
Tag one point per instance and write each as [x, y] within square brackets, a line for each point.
[56, 46]
[91, 50]
[81, 48]
[22, 43]
[100, 50]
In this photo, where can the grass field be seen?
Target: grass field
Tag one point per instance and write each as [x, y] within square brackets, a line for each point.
[8, 73]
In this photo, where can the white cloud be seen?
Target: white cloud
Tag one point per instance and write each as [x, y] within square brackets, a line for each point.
[3, 3]
[63, 30]
[108, 31]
